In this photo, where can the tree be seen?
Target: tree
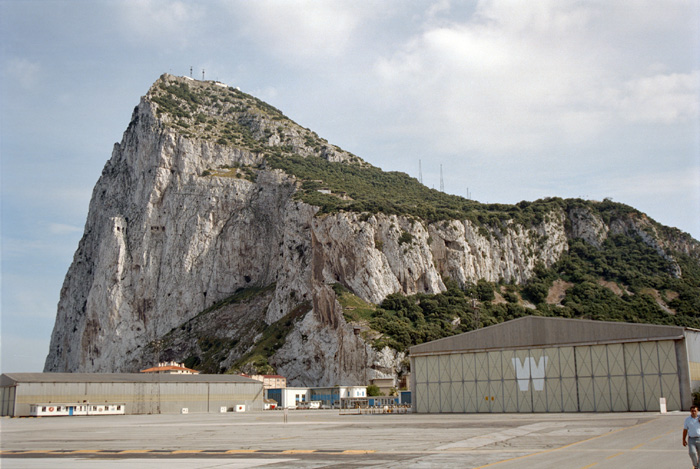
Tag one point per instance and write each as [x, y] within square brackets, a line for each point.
[373, 390]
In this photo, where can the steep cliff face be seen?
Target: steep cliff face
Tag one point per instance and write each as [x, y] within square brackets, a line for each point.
[196, 248]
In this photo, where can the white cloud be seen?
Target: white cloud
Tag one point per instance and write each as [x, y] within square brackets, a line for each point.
[529, 75]
[160, 21]
[300, 30]
[677, 183]
[61, 229]
[664, 98]
[23, 72]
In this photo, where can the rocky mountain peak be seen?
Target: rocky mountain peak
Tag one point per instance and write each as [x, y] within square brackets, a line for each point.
[215, 112]
[223, 235]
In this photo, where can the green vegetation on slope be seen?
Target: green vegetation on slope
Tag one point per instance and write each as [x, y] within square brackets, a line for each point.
[647, 293]
[364, 188]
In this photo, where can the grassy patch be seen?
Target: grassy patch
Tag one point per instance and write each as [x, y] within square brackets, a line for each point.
[355, 309]
[273, 338]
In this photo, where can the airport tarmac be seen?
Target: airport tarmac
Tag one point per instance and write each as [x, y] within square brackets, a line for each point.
[326, 439]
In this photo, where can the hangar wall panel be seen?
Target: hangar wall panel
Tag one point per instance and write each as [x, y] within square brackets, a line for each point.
[421, 397]
[8, 400]
[692, 341]
[470, 397]
[589, 378]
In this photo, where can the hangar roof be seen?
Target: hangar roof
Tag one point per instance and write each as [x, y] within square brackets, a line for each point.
[10, 379]
[537, 331]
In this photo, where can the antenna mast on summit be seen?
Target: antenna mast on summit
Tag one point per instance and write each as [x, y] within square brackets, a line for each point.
[190, 71]
[420, 173]
[202, 74]
[442, 183]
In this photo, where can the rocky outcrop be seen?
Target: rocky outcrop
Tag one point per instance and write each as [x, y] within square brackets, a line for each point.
[181, 222]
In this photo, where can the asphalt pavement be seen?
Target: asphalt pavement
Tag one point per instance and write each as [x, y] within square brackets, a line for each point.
[324, 438]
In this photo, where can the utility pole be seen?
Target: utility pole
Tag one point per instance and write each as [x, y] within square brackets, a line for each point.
[476, 316]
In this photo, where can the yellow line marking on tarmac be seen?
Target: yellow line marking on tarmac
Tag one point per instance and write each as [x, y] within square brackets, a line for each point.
[298, 451]
[563, 447]
[88, 451]
[653, 439]
[27, 451]
[241, 451]
[186, 451]
[615, 455]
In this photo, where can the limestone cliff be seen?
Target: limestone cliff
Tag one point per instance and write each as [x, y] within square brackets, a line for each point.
[198, 247]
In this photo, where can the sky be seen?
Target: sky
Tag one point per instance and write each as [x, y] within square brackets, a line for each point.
[515, 100]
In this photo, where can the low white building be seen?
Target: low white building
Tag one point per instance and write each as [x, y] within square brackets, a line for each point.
[292, 397]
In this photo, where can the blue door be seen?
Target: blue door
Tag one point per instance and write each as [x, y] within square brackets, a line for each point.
[70, 410]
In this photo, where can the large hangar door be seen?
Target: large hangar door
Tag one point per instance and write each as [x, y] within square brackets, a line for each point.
[483, 390]
[433, 372]
[618, 380]
[521, 365]
[560, 380]
[601, 378]
[552, 381]
[496, 381]
[455, 391]
[584, 375]
[567, 370]
[669, 374]
[420, 399]
[510, 384]
[469, 383]
[652, 372]
[651, 375]
[635, 385]
[539, 362]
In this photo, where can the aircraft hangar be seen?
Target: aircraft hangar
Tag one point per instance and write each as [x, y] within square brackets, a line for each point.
[138, 393]
[543, 364]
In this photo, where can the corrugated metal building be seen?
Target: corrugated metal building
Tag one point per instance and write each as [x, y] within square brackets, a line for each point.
[142, 393]
[538, 364]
